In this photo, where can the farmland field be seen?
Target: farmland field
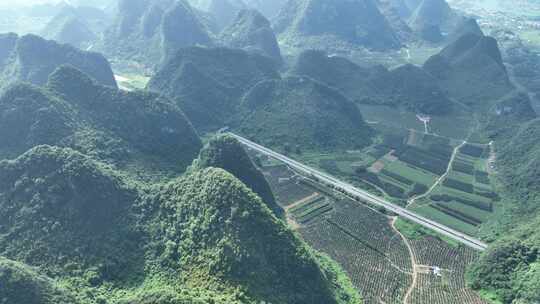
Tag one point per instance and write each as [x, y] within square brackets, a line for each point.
[363, 242]
[449, 285]
[414, 174]
[368, 247]
[465, 199]
[409, 168]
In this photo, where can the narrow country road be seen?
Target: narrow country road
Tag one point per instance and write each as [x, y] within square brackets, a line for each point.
[413, 262]
[440, 179]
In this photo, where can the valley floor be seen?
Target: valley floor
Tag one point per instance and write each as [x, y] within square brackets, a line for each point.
[388, 259]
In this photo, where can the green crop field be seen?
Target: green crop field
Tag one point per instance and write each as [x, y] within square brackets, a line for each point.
[445, 219]
[415, 174]
[450, 287]
[366, 245]
[469, 210]
[465, 199]
[457, 193]
[466, 178]
[363, 242]
[311, 209]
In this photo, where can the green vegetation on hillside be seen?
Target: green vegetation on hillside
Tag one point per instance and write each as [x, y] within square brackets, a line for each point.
[252, 31]
[131, 130]
[32, 59]
[22, 284]
[299, 114]
[208, 83]
[148, 32]
[227, 153]
[508, 271]
[204, 237]
[233, 239]
[67, 214]
[471, 69]
[334, 25]
[181, 16]
[407, 86]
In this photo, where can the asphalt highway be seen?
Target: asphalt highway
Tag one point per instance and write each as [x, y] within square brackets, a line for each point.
[366, 196]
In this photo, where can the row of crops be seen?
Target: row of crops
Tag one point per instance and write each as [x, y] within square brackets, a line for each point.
[368, 249]
[287, 188]
[413, 166]
[311, 209]
[435, 159]
[450, 286]
[364, 243]
[465, 199]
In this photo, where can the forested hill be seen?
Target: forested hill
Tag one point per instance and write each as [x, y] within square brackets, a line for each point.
[252, 31]
[208, 83]
[407, 86]
[329, 23]
[298, 113]
[472, 70]
[202, 238]
[509, 271]
[132, 130]
[96, 207]
[31, 58]
[227, 153]
[147, 31]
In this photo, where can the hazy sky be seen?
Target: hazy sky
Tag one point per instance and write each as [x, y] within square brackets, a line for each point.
[14, 3]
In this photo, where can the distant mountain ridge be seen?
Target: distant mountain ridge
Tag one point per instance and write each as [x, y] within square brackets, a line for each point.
[79, 26]
[31, 58]
[148, 30]
[406, 86]
[252, 31]
[353, 22]
[471, 69]
[222, 11]
[208, 83]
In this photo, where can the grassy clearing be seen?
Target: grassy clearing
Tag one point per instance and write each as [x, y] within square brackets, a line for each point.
[445, 219]
[482, 187]
[472, 211]
[465, 158]
[415, 174]
[466, 178]
[413, 231]
[391, 116]
[457, 193]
